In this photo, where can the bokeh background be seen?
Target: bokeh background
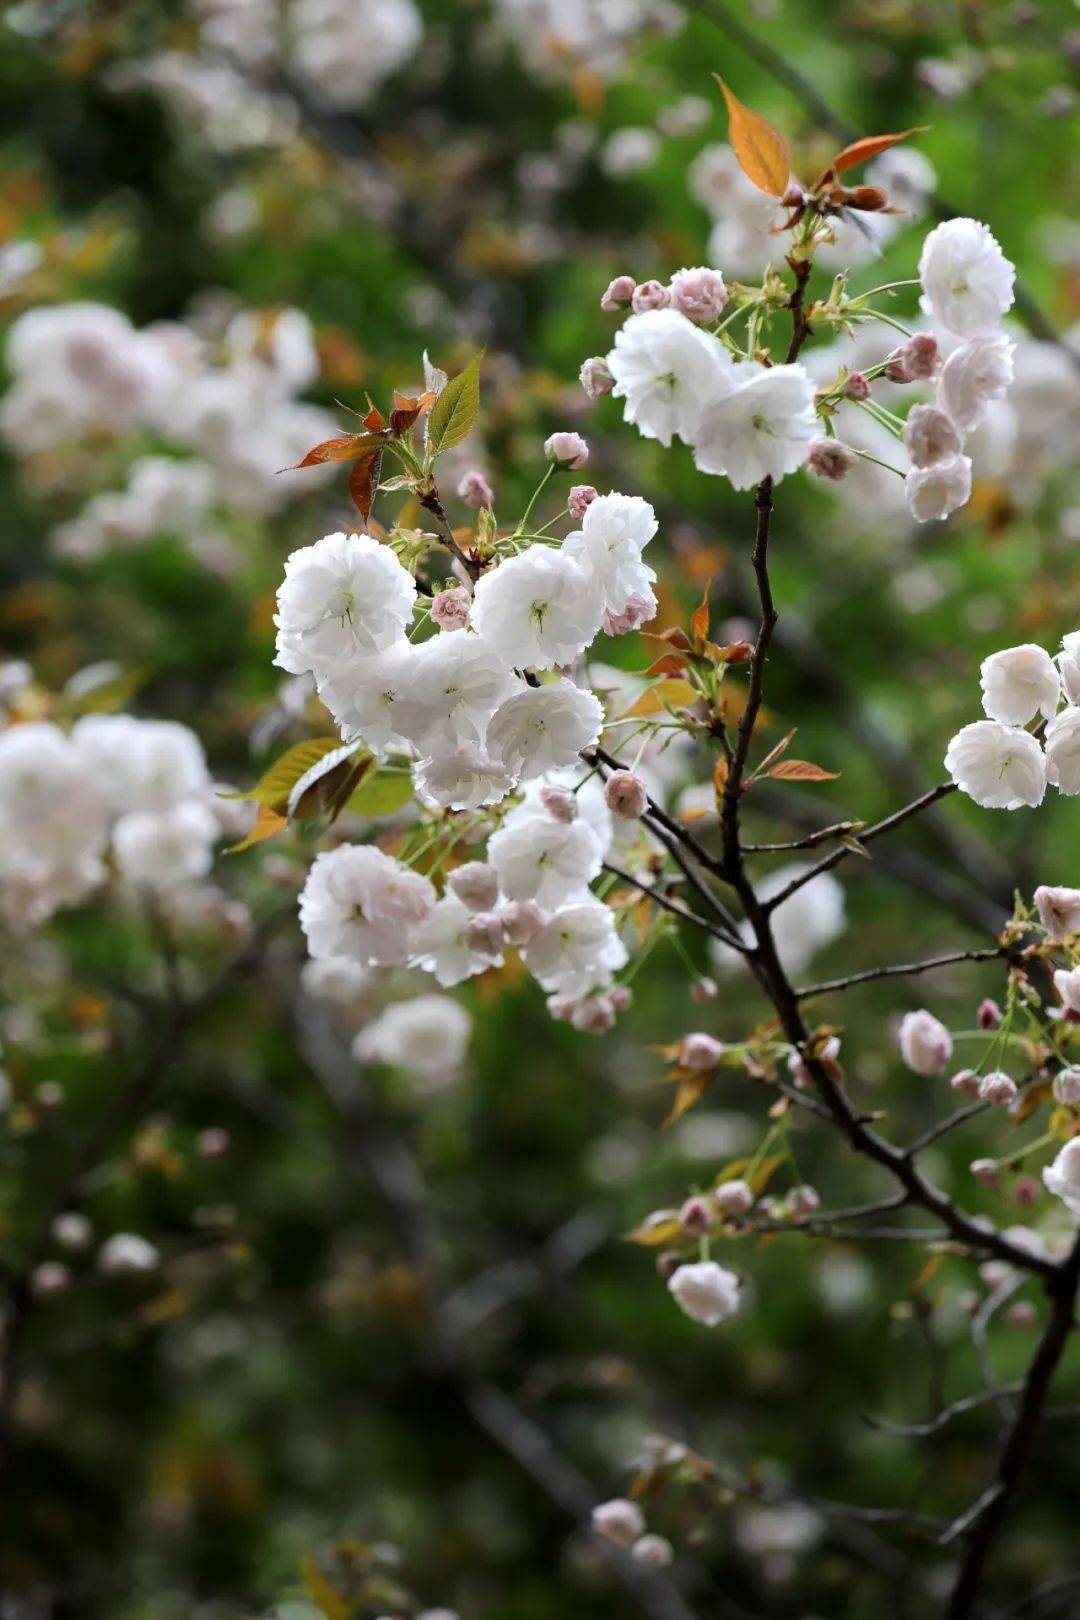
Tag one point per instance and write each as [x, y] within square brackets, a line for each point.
[203, 1441]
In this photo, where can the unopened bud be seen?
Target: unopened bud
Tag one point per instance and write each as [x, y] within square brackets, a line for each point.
[484, 933]
[649, 295]
[998, 1089]
[828, 458]
[1026, 1191]
[475, 489]
[619, 1521]
[985, 1172]
[621, 997]
[579, 500]
[521, 920]
[920, 356]
[699, 1052]
[857, 386]
[989, 1014]
[72, 1230]
[803, 1200]
[1066, 1087]
[596, 378]
[450, 609]
[566, 450]
[213, 1143]
[476, 885]
[50, 1278]
[638, 609]
[695, 1217]
[625, 795]
[594, 1016]
[655, 1552]
[1022, 1314]
[617, 294]
[559, 802]
[966, 1082]
[561, 1008]
[734, 1197]
[668, 1262]
[704, 990]
[699, 294]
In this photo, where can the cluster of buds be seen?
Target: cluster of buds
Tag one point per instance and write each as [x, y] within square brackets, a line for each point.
[699, 293]
[622, 1523]
[591, 1015]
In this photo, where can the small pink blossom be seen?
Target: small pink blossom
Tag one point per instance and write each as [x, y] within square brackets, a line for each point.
[579, 500]
[649, 295]
[704, 990]
[920, 356]
[966, 1082]
[1022, 1315]
[620, 1521]
[594, 1016]
[621, 997]
[475, 489]
[522, 920]
[989, 1014]
[596, 379]
[985, 1172]
[734, 1197]
[617, 294]
[637, 610]
[857, 386]
[803, 1201]
[561, 1008]
[699, 1052]
[828, 458]
[696, 1217]
[698, 294]
[450, 608]
[567, 450]
[1027, 1191]
[560, 803]
[625, 795]
[484, 933]
[998, 1089]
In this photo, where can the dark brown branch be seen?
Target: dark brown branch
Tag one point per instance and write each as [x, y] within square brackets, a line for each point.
[900, 970]
[676, 909]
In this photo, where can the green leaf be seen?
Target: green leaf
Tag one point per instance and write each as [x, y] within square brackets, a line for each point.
[454, 412]
[382, 793]
[275, 785]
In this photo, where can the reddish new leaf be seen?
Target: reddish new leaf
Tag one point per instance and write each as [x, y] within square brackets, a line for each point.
[669, 664]
[870, 146]
[406, 410]
[364, 481]
[762, 151]
[699, 624]
[347, 448]
[801, 770]
[374, 420]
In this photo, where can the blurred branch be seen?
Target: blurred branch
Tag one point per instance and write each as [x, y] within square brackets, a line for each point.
[898, 970]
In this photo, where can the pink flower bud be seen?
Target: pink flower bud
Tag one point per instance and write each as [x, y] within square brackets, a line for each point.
[624, 793]
[1066, 1087]
[214, 1142]
[475, 490]
[560, 803]
[484, 933]
[985, 1172]
[1026, 1191]
[450, 609]
[803, 1201]
[637, 610]
[998, 1089]
[989, 1014]
[561, 1008]
[698, 294]
[699, 1052]
[800, 1071]
[522, 919]
[1022, 1314]
[619, 1521]
[704, 990]
[621, 997]
[579, 500]
[50, 1278]
[649, 295]
[594, 1016]
[668, 1262]
[734, 1197]
[596, 379]
[695, 1217]
[476, 885]
[857, 386]
[895, 370]
[995, 1272]
[655, 1552]
[966, 1082]
[920, 357]
[828, 458]
[567, 450]
[72, 1230]
[617, 294]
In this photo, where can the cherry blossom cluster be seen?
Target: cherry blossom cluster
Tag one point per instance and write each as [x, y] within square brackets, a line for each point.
[681, 372]
[112, 796]
[222, 402]
[1000, 763]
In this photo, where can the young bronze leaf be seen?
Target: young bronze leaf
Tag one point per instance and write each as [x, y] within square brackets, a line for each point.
[801, 770]
[870, 146]
[347, 448]
[699, 624]
[762, 151]
[454, 412]
[364, 481]
[406, 411]
[662, 695]
[274, 786]
[656, 1230]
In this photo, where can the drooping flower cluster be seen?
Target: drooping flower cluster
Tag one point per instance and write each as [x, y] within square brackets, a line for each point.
[114, 792]
[998, 762]
[227, 404]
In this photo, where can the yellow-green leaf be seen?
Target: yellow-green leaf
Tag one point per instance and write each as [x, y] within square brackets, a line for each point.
[657, 1229]
[267, 825]
[322, 783]
[454, 412]
[319, 1590]
[670, 693]
[763, 1174]
[382, 793]
[275, 785]
[801, 770]
[762, 151]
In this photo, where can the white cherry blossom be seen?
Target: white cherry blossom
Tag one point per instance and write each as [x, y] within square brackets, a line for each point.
[608, 546]
[706, 1291]
[975, 374]
[576, 950]
[667, 369]
[1063, 751]
[1068, 661]
[358, 902]
[464, 778]
[999, 766]
[159, 849]
[1019, 683]
[1059, 910]
[1062, 1178]
[441, 947]
[451, 686]
[934, 491]
[537, 610]
[543, 728]
[544, 860]
[343, 597]
[762, 428]
[967, 281]
[925, 1044]
[427, 1036]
